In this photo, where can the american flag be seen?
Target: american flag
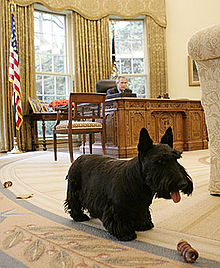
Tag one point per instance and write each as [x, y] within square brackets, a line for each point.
[14, 74]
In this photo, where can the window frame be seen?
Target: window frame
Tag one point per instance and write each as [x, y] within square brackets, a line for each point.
[146, 63]
[69, 63]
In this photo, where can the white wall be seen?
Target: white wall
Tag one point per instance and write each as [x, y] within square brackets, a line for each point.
[184, 18]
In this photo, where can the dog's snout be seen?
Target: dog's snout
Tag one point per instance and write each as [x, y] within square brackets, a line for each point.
[186, 187]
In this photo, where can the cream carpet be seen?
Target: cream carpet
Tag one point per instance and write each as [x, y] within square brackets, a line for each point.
[195, 219]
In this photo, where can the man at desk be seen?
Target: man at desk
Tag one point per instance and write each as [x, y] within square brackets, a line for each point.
[121, 86]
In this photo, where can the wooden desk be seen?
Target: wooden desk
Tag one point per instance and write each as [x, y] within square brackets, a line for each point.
[126, 116]
[47, 116]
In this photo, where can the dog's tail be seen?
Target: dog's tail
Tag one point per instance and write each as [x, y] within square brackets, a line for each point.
[65, 204]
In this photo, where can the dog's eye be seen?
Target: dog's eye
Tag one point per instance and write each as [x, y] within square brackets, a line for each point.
[177, 154]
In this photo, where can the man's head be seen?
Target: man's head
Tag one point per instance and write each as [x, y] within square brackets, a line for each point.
[121, 83]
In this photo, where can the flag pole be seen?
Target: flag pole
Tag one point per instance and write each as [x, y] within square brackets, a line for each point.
[114, 71]
[15, 150]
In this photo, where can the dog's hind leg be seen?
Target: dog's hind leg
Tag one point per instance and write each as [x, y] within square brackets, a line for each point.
[73, 205]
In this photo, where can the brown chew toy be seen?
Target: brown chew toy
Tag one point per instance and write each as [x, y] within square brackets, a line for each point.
[189, 254]
[7, 184]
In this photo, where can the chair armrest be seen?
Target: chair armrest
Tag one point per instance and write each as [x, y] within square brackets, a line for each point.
[204, 44]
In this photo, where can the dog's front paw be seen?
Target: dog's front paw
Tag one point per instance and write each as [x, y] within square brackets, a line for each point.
[144, 226]
[127, 237]
[81, 217]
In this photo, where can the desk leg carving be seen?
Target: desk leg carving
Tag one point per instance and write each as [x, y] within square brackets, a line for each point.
[32, 137]
[44, 135]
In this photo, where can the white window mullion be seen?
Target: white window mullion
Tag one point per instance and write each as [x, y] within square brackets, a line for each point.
[55, 86]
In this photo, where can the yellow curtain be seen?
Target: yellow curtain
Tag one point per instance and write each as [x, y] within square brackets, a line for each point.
[157, 55]
[92, 52]
[25, 39]
[96, 9]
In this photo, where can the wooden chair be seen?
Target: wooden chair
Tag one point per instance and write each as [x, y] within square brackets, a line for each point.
[86, 115]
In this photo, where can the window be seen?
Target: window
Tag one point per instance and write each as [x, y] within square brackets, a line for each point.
[53, 58]
[53, 79]
[130, 51]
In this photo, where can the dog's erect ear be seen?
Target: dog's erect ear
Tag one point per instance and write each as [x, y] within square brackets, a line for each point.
[145, 142]
[168, 137]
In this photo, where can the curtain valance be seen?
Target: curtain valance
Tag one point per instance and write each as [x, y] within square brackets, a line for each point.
[96, 9]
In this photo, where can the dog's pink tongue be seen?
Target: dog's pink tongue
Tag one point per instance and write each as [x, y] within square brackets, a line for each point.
[176, 197]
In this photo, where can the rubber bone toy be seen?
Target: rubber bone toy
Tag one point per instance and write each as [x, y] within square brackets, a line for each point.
[189, 254]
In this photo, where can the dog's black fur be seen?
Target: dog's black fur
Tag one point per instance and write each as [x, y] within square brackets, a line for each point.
[119, 192]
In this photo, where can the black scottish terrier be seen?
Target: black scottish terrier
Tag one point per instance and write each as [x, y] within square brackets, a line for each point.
[119, 192]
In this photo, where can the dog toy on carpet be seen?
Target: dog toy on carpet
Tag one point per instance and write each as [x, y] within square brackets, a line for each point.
[189, 254]
[26, 196]
[7, 184]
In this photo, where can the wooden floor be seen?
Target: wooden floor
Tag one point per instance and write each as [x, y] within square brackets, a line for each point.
[195, 219]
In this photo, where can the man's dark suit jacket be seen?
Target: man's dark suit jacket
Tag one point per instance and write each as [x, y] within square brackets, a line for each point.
[115, 90]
